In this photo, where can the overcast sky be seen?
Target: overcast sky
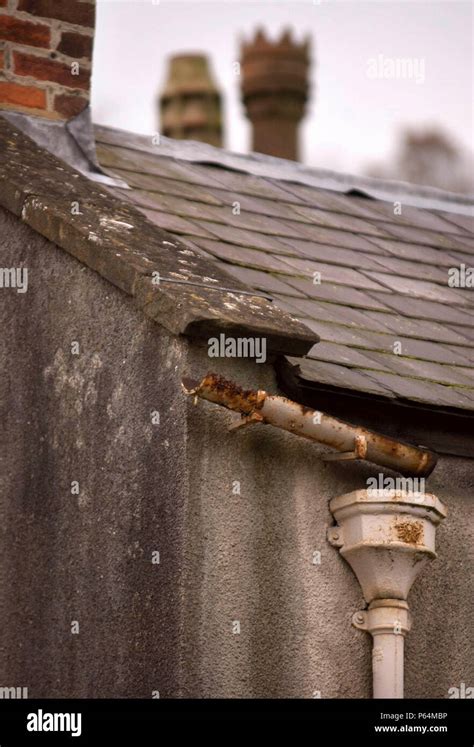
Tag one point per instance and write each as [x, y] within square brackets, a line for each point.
[352, 119]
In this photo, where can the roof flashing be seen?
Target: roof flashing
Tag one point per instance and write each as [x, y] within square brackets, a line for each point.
[278, 168]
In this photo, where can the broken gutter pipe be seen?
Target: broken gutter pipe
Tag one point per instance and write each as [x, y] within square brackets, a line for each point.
[354, 442]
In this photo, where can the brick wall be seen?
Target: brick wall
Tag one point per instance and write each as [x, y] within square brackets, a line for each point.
[46, 56]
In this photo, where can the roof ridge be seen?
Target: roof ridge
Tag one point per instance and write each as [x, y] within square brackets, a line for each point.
[283, 170]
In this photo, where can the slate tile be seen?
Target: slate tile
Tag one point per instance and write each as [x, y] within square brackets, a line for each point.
[409, 327]
[415, 252]
[320, 310]
[259, 205]
[193, 173]
[467, 333]
[329, 374]
[422, 218]
[319, 198]
[248, 221]
[331, 273]
[431, 351]
[345, 356]
[412, 216]
[423, 236]
[387, 343]
[173, 187]
[462, 257]
[429, 370]
[365, 207]
[242, 256]
[328, 291]
[338, 220]
[333, 254]
[241, 237]
[465, 243]
[262, 280]
[410, 269]
[175, 224]
[340, 334]
[331, 200]
[320, 235]
[461, 353]
[468, 373]
[421, 309]
[418, 288]
[421, 391]
[463, 222]
[467, 394]
[161, 185]
[286, 304]
[130, 160]
[381, 341]
[135, 179]
[237, 181]
[339, 314]
[173, 205]
[159, 168]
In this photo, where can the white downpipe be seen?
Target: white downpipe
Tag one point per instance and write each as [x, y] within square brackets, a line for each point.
[387, 664]
[387, 537]
[388, 621]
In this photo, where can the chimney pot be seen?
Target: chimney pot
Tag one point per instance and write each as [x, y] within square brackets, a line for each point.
[190, 104]
[274, 85]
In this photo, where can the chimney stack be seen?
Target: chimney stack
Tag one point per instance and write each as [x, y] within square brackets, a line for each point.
[274, 84]
[190, 105]
[46, 56]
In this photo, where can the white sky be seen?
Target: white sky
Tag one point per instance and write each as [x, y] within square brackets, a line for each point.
[352, 119]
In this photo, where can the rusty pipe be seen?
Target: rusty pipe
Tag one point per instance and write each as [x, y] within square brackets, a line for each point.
[355, 442]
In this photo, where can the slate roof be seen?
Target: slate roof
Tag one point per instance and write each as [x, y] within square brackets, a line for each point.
[193, 297]
[389, 323]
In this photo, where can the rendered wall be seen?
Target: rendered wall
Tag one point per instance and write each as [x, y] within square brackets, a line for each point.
[224, 557]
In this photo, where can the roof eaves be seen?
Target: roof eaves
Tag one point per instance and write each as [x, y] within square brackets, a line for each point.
[175, 286]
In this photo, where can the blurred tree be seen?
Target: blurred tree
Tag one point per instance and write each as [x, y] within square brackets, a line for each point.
[429, 157]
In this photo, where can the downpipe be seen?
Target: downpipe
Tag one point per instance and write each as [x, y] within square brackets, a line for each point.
[387, 537]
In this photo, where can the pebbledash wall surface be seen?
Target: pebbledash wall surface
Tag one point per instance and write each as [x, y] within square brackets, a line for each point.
[84, 610]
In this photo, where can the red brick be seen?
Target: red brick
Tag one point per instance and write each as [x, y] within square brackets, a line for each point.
[12, 93]
[75, 45]
[2, 59]
[43, 68]
[72, 11]
[3, 3]
[69, 106]
[24, 32]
